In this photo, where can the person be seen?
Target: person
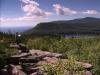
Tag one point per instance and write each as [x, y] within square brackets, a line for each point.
[18, 38]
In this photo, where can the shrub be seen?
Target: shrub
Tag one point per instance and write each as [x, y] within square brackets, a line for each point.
[64, 67]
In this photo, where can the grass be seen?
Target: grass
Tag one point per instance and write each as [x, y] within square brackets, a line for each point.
[80, 49]
[64, 67]
[5, 51]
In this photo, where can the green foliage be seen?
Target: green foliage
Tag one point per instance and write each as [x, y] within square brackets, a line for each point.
[64, 67]
[40, 43]
[82, 49]
[80, 26]
[5, 51]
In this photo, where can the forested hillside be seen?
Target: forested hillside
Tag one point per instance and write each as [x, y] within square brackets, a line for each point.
[86, 25]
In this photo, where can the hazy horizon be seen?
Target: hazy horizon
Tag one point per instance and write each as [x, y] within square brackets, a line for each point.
[14, 29]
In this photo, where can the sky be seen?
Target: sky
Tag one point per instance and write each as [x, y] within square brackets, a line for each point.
[28, 13]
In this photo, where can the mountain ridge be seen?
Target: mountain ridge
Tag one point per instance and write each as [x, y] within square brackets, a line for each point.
[79, 26]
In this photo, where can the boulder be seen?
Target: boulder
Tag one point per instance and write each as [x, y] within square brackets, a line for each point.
[88, 73]
[15, 59]
[45, 53]
[51, 60]
[14, 45]
[13, 70]
[29, 60]
[85, 65]
[21, 55]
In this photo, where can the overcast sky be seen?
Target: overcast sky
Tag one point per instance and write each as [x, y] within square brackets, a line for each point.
[19, 13]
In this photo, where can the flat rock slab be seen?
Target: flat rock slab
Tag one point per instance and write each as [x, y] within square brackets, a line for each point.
[50, 60]
[45, 53]
[28, 60]
[21, 55]
[85, 65]
[14, 46]
[15, 59]
[21, 44]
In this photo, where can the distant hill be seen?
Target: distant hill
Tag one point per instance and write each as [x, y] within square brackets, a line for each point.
[88, 25]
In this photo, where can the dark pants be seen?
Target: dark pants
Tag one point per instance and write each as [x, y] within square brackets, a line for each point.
[18, 41]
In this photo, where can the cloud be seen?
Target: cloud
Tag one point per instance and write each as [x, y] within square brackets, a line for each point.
[22, 21]
[30, 2]
[60, 10]
[32, 8]
[33, 14]
[90, 12]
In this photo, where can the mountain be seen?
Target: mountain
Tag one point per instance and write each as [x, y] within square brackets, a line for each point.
[88, 25]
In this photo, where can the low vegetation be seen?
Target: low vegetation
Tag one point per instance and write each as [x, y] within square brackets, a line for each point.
[64, 67]
[5, 51]
[80, 49]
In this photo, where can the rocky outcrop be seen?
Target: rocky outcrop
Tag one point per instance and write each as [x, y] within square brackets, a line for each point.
[22, 47]
[31, 63]
[15, 58]
[45, 54]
